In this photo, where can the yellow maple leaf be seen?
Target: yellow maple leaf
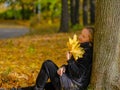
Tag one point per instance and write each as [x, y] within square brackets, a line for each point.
[74, 47]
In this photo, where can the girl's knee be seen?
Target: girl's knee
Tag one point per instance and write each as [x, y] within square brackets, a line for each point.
[47, 62]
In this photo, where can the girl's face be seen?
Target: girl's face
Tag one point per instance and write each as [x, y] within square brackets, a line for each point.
[84, 36]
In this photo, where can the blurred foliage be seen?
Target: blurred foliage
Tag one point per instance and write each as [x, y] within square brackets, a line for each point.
[24, 9]
[40, 26]
[76, 28]
[9, 14]
[50, 8]
[21, 58]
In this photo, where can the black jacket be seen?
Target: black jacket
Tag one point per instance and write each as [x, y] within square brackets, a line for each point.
[80, 70]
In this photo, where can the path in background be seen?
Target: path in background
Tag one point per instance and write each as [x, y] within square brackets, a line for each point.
[14, 31]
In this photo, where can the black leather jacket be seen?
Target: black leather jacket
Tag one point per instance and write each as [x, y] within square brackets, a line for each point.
[80, 70]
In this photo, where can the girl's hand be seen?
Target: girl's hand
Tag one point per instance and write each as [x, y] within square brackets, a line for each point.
[60, 71]
[68, 55]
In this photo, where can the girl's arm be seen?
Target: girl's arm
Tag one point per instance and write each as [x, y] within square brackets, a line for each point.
[77, 68]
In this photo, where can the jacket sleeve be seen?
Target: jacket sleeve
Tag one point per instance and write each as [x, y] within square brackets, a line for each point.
[77, 67]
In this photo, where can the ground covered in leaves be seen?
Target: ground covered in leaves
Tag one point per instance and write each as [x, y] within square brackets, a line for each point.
[21, 58]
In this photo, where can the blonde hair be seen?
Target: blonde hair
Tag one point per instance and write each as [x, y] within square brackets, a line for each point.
[91, 30]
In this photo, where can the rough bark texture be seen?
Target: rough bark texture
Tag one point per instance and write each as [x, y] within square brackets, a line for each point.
[106, 62]
[64, 25]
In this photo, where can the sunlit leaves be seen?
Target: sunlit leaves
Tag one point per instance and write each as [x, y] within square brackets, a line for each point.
[74, 47]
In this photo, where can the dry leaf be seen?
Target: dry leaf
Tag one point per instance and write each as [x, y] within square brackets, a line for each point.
[74, 47]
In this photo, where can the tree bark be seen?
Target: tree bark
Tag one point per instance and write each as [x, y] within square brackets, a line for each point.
[85, 12]
[92, 11]
[74, 12]
[64, 24]
[106, 62]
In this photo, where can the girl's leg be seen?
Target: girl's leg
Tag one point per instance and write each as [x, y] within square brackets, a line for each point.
[48, 70]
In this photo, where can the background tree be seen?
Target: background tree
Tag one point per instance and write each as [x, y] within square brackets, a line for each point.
[50, 8]
[64, 24]
[25, 8]
[92, 11]
[18, 9]
[85, 12]
[74, 11]
[106, 64]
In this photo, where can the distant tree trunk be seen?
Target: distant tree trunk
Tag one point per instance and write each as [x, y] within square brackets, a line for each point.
[23, 11]
[38, 11]
[85, 12]
[74, 12]
[14, 11]
[106, 62]
[77, 11]
[92, 11]
[64, 25]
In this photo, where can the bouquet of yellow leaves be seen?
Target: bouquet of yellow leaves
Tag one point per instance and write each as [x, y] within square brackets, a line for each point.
[74, 47]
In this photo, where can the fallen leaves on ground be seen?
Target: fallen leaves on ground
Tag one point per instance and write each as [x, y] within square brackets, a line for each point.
[21, 58]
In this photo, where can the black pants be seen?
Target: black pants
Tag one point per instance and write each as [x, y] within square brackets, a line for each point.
[48, 70]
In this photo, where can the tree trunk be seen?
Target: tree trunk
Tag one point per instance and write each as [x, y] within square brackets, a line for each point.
[106, 62]
[23, 11]
[85, 12]
[74, 12]
[64, 25]
[77, 11]
[92, 11]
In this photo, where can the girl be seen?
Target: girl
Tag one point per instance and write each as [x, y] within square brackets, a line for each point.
[73, 76]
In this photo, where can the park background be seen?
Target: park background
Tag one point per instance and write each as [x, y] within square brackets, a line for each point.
[32, 31]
